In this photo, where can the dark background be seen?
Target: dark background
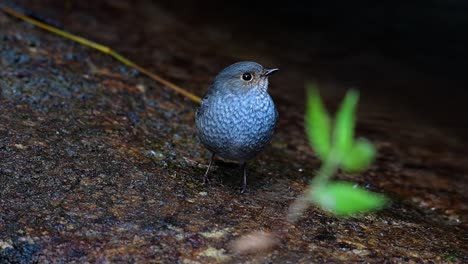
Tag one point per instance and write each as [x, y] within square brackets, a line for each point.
[426, 34]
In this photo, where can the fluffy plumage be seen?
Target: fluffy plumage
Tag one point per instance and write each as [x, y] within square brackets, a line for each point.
[237, 117]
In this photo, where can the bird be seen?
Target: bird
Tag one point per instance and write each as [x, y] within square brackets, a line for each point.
[237, 117]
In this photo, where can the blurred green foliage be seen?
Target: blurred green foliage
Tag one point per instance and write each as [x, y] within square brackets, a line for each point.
[338, 149]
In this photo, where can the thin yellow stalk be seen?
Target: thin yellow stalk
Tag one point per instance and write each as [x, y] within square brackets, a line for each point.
[105, 50]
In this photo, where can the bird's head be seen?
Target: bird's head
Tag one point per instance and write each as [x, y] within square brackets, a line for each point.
[243, 76]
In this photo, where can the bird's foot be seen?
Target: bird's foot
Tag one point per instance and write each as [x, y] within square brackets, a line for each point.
[243, 188]
[206, 180]
[244, 178]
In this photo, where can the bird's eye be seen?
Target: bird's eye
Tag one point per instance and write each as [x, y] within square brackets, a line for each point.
[246, 76]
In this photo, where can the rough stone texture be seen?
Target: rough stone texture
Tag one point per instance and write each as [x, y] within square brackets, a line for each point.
[99, 163]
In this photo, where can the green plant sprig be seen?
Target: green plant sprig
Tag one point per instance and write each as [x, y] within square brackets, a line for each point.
[336, 147]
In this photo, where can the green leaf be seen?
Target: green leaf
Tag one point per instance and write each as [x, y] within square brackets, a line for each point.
[360, 156]
[318, 124]
[344, 124]
[346, 199]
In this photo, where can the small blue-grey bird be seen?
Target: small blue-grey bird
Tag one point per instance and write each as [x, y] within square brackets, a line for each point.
[237, 117]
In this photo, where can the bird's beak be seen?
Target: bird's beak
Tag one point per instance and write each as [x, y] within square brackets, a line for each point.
[269, 72]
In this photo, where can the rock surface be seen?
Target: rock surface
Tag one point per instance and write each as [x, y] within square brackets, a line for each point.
[99, 163]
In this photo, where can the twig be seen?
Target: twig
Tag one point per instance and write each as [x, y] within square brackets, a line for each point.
[105, 50]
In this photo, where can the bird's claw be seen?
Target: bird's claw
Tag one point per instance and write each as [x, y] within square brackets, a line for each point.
[243, 189]
[206, 180]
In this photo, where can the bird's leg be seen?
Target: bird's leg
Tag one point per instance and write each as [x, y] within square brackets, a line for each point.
[205, 177]
[244, 183]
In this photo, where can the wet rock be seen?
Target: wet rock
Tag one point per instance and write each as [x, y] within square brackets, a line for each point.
[19, 251]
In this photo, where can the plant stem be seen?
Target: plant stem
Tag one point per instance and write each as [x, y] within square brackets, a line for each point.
[327, 170]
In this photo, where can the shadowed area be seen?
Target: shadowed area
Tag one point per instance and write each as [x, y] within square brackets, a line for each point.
[99, 163]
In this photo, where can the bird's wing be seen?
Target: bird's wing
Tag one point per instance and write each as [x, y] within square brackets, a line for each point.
[203, 104]
[276, 117]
